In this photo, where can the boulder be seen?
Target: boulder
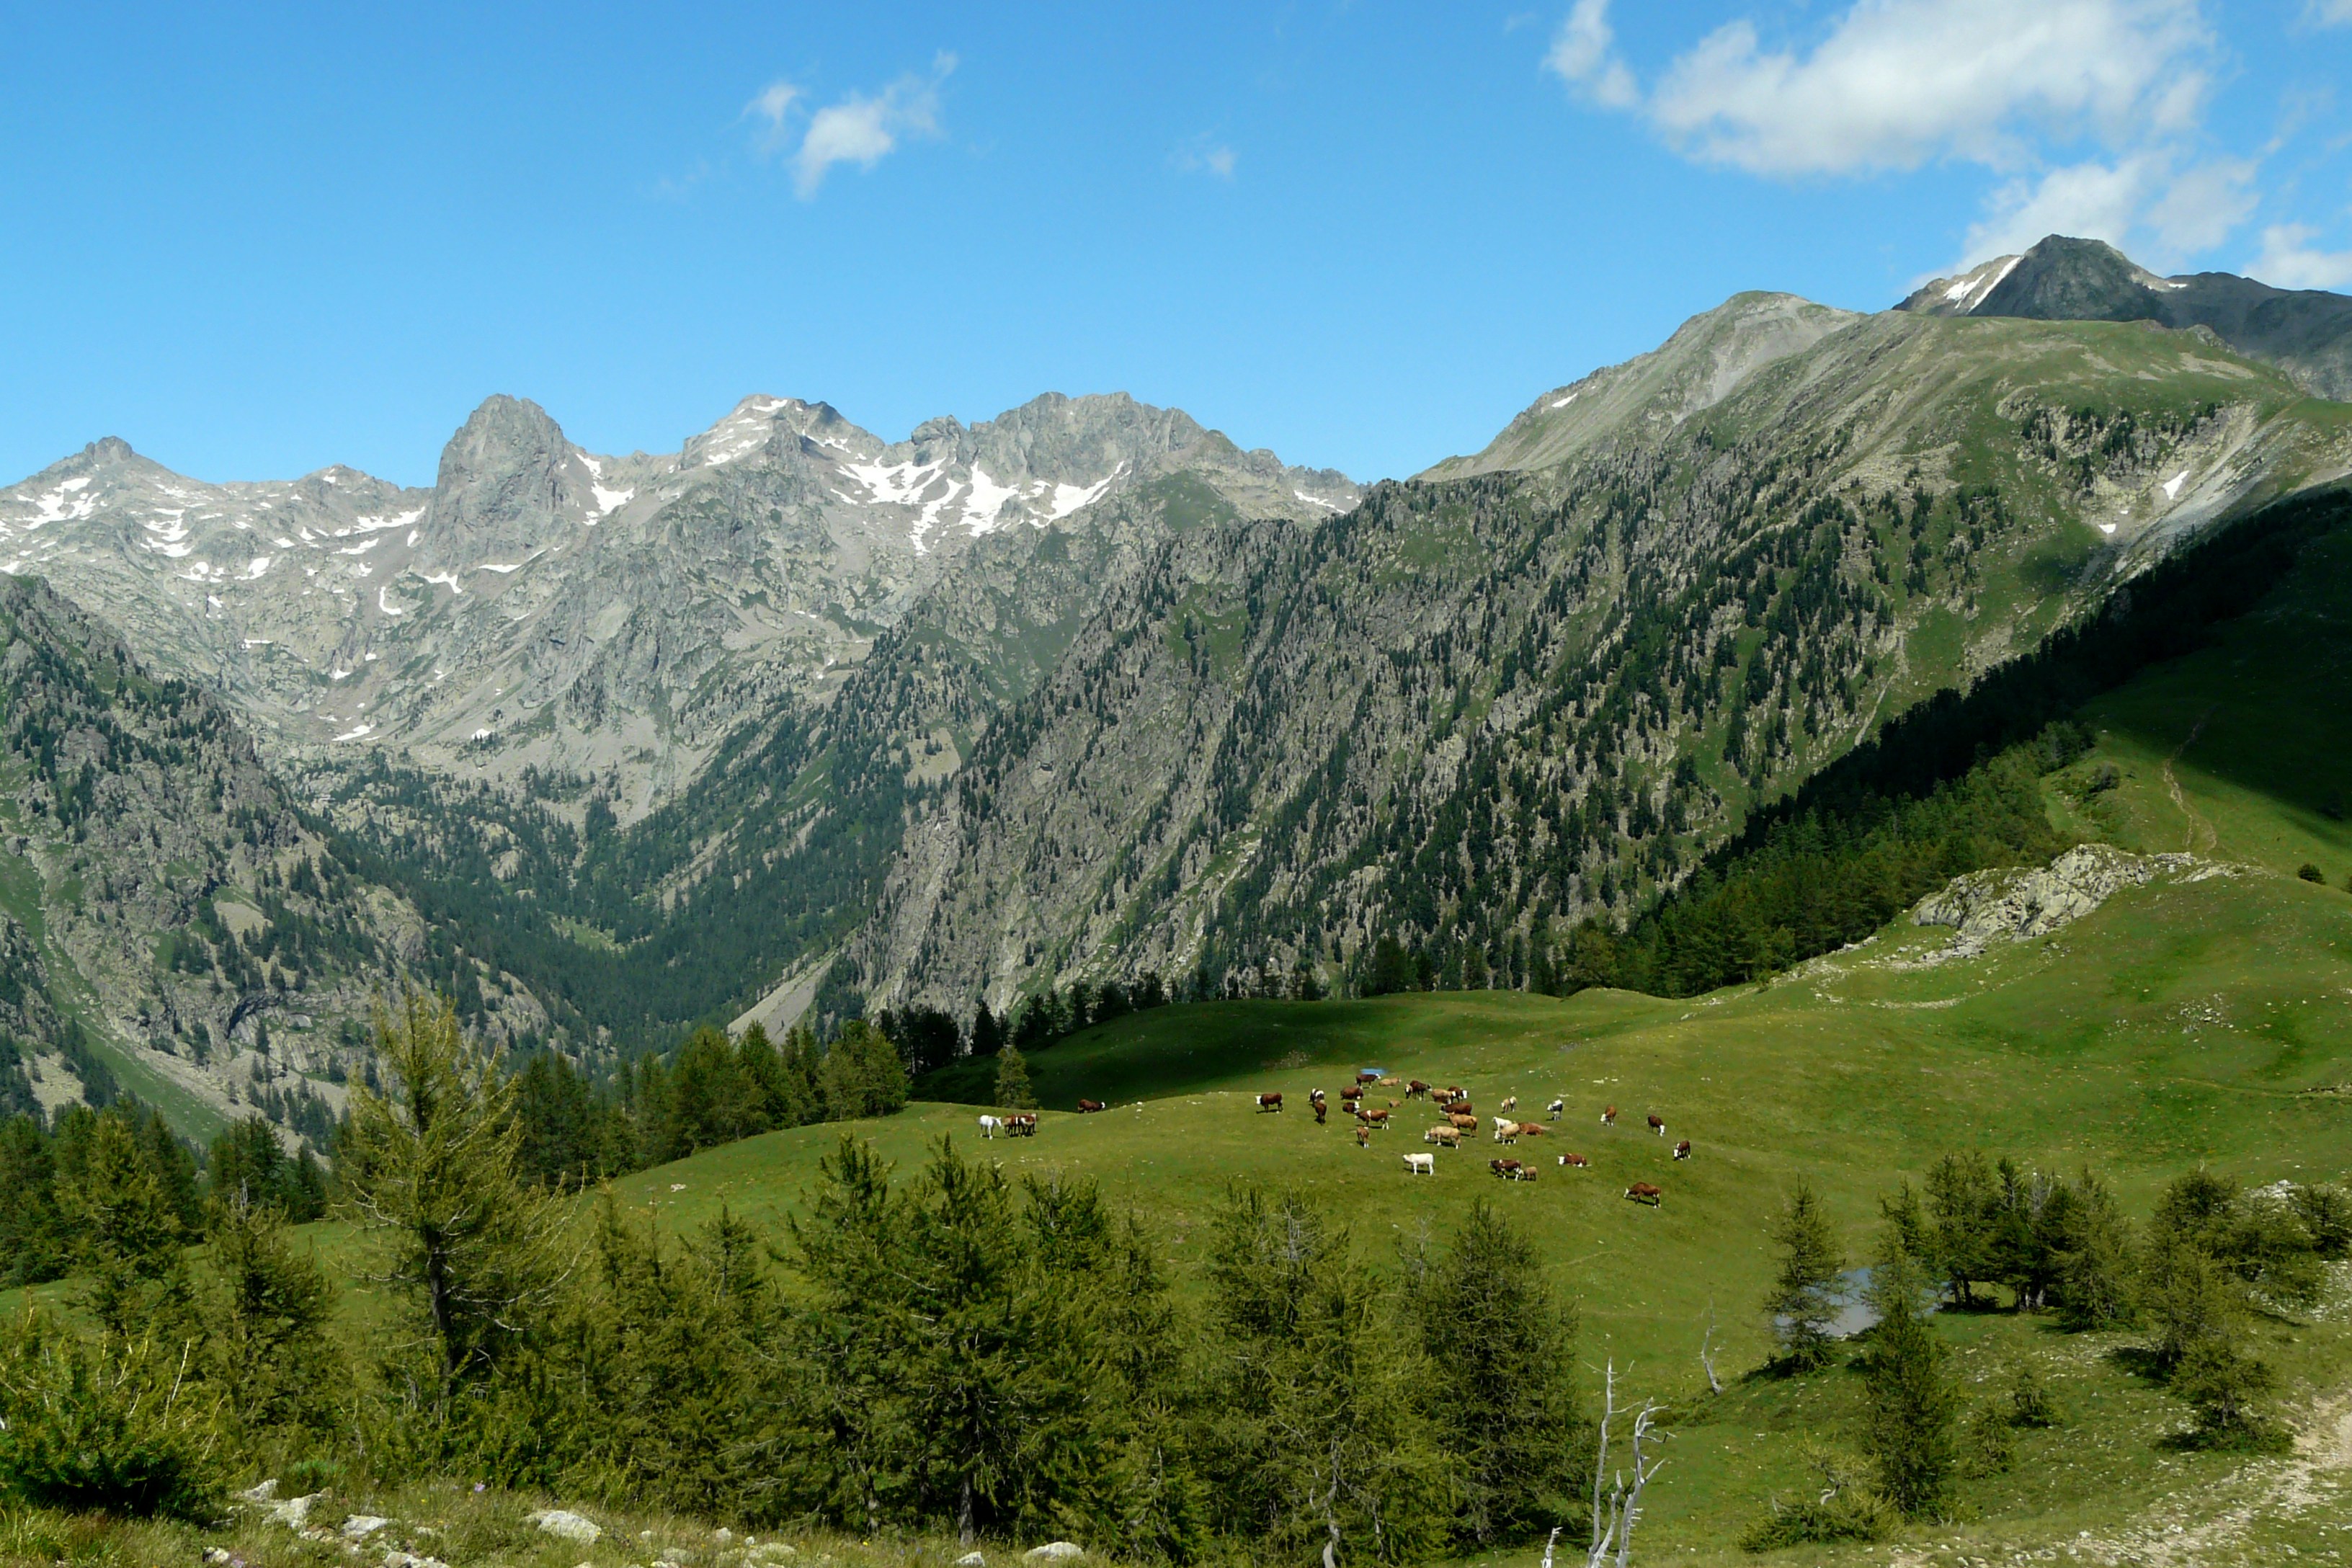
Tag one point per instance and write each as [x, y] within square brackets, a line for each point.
[569, 1526]
[1054, 1552]
[360, 1526]
[971, 1560]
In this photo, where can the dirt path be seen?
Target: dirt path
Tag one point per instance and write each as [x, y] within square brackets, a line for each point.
[2201, 837]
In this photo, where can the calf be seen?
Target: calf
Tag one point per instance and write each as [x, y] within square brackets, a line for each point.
[1443, 1137]
[1364, 1136]
[1270, 1101]
[1577, 1161]
[1087, 1106]
[1643, 1193]
[1421, 1164]
[1552, 1111]
[1682, 1149]
[1609, 1117]
[1657, 1124]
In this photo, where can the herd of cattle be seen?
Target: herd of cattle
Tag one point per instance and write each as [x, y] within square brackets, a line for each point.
[1460, 1120]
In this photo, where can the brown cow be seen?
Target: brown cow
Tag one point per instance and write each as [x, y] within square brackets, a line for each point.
[1643, 1193]
[1579, 1161]
[1352, 1092]
[1460, 1105]
[1366, 1075]
[1445, 1137]
[1270, 1101]
[1507, 1169]
[1455, 1091]
[1682, 1149]
[1318, 1109]
[1657, 1124]
[1464, 1122]
[1375, 1119]
[1533, 1129]
[1609, 1117]
[1087, 1106]
[1364, 1136]
[1416, 1089]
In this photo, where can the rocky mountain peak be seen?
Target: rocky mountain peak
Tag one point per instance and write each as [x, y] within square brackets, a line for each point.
[510, 485]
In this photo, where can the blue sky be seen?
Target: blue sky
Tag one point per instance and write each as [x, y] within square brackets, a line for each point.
[257, 241]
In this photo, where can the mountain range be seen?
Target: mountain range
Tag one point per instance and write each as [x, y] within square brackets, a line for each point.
[607, 746]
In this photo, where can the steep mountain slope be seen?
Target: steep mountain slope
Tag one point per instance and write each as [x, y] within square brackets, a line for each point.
[162, 903]
[2307, 333]
[1480, 707]
[543, 607]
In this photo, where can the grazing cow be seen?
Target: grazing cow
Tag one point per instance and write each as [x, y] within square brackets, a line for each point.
[1416, 1089]
[1511, 1170]
[1352, 1092]
[1364, 1136]
[1088, 1106]
[1609, 1117]
[1532, 1130]
[1506, 1130]
[1577, 1161]
[1682, 1149]
[1552, 1111]
[1368, 1075]
[1377, 1120]
[1464, 1122]
[1455, 1091]
[1024, 1125]
[1270, 1101]
[1314, 1097]
[1511, 1102]
[1657, 1124]
[1421, 1164]
[989, 1124]
[1643, 1193]
[1318, 1109]
[1443, 1137]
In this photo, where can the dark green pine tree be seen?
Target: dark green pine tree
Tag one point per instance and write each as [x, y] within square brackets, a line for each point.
[1013, 1091]
[1911, 1398]
[1804, 1301]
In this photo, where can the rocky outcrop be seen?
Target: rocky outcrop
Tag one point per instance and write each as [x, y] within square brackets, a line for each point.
[2020, 904]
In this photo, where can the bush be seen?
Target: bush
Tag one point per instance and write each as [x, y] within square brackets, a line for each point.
[105, 1428]
[1845, 1509]
[2030, 1403]
[1989, 1441]
[2311, 873]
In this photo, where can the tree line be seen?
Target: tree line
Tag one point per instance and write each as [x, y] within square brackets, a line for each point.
[947, 1349]
[1988, 1235]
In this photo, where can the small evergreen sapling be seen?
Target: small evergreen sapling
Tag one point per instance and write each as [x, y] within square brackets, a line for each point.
[1803, 1299]
[1013, 1091]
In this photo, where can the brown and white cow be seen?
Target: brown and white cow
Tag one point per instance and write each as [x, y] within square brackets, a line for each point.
[1609, 1117]
[1643, 1193]
[1270, 1101]
[1657, 1124]
[1377, 1120]
[1318, 1106]
[1416, 1089]
[1352, 1092]
[1507, 1169]
[1682, 1149]
[1086, 1107]
[1577, 1161]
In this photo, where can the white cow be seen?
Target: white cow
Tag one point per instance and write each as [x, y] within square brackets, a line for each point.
[1421, 1164]
[991, 1125]
[1506, 1130]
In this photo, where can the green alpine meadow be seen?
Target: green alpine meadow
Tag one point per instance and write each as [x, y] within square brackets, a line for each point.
[1758, 972]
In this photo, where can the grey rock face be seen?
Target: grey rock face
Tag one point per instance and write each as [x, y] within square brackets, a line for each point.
[2307, 333]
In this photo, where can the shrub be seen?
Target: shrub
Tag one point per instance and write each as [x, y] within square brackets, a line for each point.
[105, 1428]
[1845, 1509]
[2311, 873]
[1987, 1441]
[2030, 1403]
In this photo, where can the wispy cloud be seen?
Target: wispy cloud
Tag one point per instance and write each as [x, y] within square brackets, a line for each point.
[2330, 13]
[2289, 260]
[1204, 155]
[860, 129]
[1893, 85]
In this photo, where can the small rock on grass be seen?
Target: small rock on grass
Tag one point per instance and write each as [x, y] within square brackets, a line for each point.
[360, 1526]
[1054, 1552]
[563, 1522]
[971, 1560]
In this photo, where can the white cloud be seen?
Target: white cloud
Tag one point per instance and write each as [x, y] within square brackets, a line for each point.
[2086, 109]
[1203, 157]
[1583, 53]
[2289, 261]
[859, 129]
[2330, 13]
[773, 105]
[1897, 83]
